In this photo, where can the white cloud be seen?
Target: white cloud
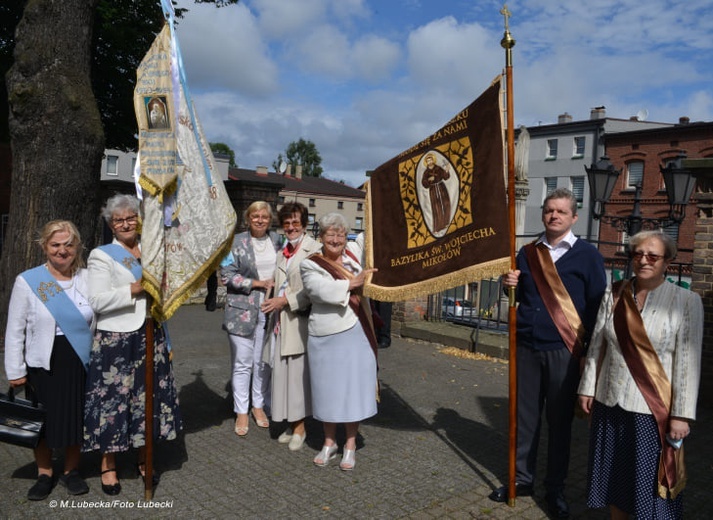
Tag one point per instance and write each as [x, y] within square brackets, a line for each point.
[374, 58]
[365, 79]
[224, 49]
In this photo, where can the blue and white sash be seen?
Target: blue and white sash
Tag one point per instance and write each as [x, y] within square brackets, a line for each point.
[63, 310]
[123, 257]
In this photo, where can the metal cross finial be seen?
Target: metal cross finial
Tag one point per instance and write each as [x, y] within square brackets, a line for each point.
[507, 14]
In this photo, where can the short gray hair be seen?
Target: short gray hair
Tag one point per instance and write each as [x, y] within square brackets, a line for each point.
[334, 221]
[117, 203]
[669, 244]
[562, 193]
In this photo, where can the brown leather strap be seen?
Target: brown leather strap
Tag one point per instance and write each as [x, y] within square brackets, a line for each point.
[645, 367]
[358, 304]
[554, 295]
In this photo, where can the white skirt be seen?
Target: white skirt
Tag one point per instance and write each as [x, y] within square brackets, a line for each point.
[343, 376]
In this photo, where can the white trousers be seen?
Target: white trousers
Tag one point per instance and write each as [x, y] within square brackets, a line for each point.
[246, 361]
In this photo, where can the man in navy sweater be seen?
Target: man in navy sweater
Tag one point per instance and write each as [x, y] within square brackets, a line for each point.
[551, 341]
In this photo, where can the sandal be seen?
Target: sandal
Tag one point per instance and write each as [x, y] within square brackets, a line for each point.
[348, 460]
[324, 456]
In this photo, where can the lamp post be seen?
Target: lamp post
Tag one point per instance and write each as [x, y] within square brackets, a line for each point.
[679, 186]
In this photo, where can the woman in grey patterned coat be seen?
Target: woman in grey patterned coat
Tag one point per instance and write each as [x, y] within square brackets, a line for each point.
[247, 274]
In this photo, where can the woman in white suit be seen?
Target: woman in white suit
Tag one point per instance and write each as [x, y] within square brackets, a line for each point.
[287, 341]
[116, 396]
[47, 343]
[342, 344]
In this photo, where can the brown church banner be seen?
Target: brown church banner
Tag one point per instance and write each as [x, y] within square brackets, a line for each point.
[437, 213]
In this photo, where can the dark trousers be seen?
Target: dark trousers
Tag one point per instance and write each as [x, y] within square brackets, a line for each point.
[383, 333]
[546, 380]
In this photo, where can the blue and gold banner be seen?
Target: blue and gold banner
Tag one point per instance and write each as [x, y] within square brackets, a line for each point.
[437, 213]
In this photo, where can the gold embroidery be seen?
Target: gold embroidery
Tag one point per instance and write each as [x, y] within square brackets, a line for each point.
[47, 290]
[129, 262]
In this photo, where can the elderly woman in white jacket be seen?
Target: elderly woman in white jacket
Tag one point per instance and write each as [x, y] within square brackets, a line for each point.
[115, 411]
[47, 343]
[342, 345]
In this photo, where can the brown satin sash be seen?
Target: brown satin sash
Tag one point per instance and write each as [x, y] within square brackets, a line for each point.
[554, 294]
[650, 377]
[358, 304]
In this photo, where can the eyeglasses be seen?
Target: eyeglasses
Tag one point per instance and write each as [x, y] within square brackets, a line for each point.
[130, 220]
[650, 257]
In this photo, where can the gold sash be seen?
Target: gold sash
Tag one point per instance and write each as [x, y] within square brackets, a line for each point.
[645, 367]
[554, 295]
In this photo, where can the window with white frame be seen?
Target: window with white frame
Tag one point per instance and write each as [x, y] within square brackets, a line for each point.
[578, 189]
[340, 204]
[359, 223]
[579, 143]
[551, 149]
[112, 165]
[623, 242]
[634, 173]
[550, 185]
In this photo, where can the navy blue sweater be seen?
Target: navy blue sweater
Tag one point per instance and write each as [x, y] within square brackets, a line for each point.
[582, 272]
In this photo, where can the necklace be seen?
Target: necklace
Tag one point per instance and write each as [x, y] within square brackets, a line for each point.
[259, 244]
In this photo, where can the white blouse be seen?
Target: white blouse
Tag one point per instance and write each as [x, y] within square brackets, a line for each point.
[673, 318]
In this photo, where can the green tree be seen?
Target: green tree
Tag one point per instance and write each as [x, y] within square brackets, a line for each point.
[305, 153]
[60, 114]
[226, 150]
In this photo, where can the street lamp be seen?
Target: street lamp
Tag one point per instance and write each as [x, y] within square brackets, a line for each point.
[679, 186]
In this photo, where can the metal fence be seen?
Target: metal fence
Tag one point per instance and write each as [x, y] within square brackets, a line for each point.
[484, 305]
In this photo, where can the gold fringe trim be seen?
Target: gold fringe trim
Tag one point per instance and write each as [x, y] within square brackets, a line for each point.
[156, 190]
[163, 312]
[667, 493]
[491, 269]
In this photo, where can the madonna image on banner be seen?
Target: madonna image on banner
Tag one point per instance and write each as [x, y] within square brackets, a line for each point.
[157, 112]
[437, 213]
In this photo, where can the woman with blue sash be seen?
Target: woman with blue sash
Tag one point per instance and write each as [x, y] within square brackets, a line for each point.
[47, 343]
[115, 412]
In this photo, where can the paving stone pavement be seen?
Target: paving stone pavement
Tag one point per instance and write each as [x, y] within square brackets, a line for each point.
[436, 449]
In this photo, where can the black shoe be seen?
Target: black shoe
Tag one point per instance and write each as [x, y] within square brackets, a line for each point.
[111, 489]
[74, 483]
[501, 494]
[557, 505]
[384, 343]
[41, 489]
[155, 477]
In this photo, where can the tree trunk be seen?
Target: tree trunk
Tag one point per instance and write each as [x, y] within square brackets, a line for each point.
[56, 132]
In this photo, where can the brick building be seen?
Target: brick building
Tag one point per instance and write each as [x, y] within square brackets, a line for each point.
[639, 156]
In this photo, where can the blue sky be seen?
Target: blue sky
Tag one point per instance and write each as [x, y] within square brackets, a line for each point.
[366, 79]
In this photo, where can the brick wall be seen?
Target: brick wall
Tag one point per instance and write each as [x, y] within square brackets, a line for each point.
[702, 283]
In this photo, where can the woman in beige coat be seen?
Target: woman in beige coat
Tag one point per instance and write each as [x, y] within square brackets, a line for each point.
[286, 345]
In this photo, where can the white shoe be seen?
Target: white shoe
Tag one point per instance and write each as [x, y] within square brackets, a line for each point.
[285, 437]
[297, 441]
[348, 460]
[327, 454]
